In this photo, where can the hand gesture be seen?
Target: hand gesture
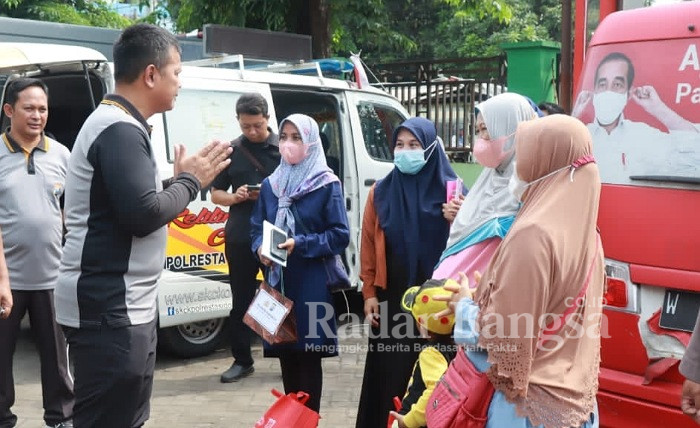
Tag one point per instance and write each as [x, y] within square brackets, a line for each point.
[458, 293]
[398, 420]
[647, 97]
[583, 99]
[253, 194]
[372, 311]
[5, 299]
[690, 400]
[206, 164]
[241, 194]
[450, 209]
[264, 260]
[287, 245]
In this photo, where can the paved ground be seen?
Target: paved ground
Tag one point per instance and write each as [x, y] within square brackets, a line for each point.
[187, 393]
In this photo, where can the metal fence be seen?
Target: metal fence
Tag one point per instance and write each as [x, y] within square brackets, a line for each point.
[450, 104]
[424, 90]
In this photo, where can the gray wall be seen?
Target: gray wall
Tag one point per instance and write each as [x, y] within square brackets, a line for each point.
[100, 39]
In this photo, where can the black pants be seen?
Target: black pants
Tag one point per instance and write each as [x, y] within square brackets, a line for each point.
[243, 268]
[113, 374]
[302, 371]
[56, 384]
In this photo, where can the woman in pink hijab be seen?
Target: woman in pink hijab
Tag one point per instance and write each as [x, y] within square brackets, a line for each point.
[536, 313]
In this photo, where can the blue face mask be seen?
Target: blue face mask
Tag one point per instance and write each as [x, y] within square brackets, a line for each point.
[412, 161]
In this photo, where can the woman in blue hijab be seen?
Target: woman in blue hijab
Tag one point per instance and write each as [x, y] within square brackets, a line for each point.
[403, 235]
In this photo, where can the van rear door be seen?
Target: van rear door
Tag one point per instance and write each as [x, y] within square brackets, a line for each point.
[28, 57]
[65, 70]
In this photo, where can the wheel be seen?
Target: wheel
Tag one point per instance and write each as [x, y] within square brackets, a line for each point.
[193, 339]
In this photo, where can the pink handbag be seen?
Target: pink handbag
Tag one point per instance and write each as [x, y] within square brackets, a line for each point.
[461, 398]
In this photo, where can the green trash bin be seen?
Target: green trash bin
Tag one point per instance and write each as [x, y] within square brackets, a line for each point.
[532, 69]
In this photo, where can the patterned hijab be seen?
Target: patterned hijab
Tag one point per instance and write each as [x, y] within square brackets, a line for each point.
[409, 207]
[537, 272]
[489, 198]
[291, 182]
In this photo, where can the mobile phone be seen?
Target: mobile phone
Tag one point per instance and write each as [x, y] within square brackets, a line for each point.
[278, 238]
[253, 187]
[454, 189]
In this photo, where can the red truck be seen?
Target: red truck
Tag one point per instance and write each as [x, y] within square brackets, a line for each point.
[639, 94]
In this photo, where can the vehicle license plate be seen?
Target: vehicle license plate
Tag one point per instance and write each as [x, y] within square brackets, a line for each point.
[679, 310]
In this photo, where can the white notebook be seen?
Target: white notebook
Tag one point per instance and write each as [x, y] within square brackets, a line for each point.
[273, 236]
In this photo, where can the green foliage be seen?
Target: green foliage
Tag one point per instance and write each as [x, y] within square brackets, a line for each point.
[477, 35]
[82, 12]
[193, 14]
[99, 15]
[388, 30]
[494, 9]
[158, 16]
[368, 26]
[384, 30]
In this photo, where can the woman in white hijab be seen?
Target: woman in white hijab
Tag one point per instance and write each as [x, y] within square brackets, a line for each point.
[489, 208]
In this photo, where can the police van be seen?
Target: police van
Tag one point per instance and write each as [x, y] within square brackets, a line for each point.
[194, 296]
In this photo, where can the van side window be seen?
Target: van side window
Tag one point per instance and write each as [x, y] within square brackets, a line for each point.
[378, 123]
[330, 139]
[199, 117]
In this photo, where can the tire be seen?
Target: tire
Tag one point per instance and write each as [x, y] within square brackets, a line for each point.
[193, 339]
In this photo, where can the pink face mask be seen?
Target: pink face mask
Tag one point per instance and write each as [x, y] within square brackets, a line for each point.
[293, 153]
[490, 153]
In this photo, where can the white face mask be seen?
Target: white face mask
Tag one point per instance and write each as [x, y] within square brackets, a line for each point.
[608, 106]
[516, 186]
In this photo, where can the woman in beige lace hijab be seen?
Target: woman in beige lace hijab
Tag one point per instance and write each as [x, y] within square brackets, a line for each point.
[539, 302]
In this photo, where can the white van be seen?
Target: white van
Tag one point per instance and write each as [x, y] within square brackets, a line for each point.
[194, 295]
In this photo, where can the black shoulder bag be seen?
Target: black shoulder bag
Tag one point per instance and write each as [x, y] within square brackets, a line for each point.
[336, 277]
[256, 163]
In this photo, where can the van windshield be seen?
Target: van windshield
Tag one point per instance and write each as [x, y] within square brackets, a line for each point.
[641, 102]
[201, 116]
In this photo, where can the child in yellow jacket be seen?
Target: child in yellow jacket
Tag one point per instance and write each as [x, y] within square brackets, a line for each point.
[434, 357]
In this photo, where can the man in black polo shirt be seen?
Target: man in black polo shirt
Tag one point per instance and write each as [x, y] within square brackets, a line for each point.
[117, 211]
[255, 156]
